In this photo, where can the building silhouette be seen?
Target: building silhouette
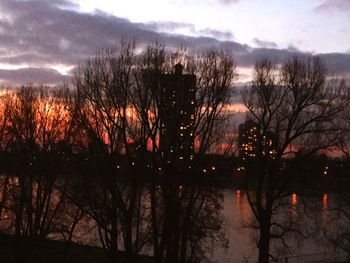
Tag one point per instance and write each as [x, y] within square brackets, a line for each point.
[251, 144]
[177, 115]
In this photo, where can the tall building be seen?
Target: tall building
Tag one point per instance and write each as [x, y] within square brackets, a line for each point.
[177, 115]
[248, 141]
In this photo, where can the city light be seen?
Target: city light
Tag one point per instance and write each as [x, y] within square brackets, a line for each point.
[294, 198]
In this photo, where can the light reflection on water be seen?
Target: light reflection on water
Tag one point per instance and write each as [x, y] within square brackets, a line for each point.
[237, 215]
[324, 201]
[294, 199]
[242, 244]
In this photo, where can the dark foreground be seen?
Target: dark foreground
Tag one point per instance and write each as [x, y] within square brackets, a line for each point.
[29, 251]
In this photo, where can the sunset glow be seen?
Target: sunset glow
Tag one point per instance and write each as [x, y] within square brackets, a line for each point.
[177, 131]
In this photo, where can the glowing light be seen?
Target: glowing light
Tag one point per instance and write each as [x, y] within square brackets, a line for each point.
[238, 197]
[325, 172]
[324, 201]
[294, 198]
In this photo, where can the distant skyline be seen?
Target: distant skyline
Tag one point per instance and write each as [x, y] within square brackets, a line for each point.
[42, 41]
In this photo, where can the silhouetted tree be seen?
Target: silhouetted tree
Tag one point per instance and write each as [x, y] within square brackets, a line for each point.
[179, 202]
[36, 123]
[4, 139]
[291, 106]
[117, 108]
[105, 115]
[338, 232]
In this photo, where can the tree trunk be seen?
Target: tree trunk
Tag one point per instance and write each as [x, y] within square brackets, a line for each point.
[128, 240]
[172, 227]
[264, 241]
[157, 247]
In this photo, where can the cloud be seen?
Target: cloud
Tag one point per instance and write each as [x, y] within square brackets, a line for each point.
[171, 27]
[228, 2]
[334, 6]
[42, 34]
[293, 48]
[168, 26]
[222, 35]
[38, 32]
[337, 63]
[31, 75]
[264, 44]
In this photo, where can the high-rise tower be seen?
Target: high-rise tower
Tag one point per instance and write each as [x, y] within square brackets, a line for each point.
[251, 144]
[177, 115]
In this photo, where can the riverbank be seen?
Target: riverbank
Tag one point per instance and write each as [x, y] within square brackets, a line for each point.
[53, 251]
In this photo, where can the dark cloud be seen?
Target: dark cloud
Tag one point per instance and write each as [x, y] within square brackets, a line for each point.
[228, 2]
[248, 59]
[264, 44]
[337, 63]
[334, 6]
[293, 48]
[40, 33]
[168, 26]
[46, 33]
[32, 75]
[223, 35]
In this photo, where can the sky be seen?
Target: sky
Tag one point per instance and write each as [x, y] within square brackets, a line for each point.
[44, 40]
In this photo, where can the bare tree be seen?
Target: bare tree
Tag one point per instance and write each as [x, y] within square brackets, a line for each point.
[290, 106]
[176, 188]
[338, 233]
[4, 139]
[119, 108]
[37, 124]
[105, 115]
